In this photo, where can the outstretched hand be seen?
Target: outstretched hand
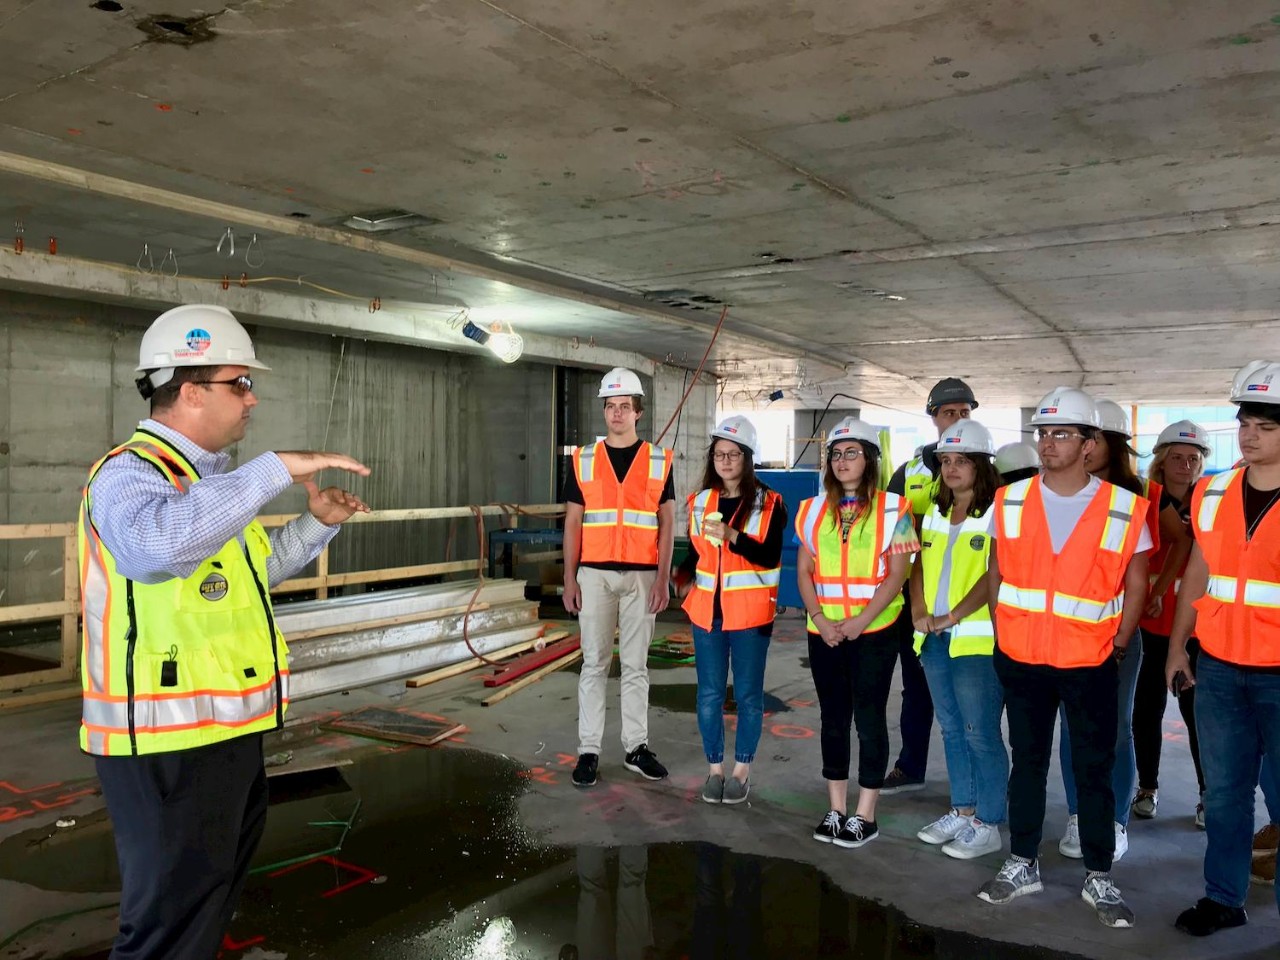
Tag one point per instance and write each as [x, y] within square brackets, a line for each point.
[303, 465]
[332, 505]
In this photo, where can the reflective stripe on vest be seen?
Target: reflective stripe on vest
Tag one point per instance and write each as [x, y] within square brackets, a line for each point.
[167, 666]
[620, 516]
[1211, 499]
[1238, 618]
[1062, 610]
[846, 574]
[748, 594]
[974, 635]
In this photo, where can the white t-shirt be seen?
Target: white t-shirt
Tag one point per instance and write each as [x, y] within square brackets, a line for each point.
[942, 601]
[1063, 513]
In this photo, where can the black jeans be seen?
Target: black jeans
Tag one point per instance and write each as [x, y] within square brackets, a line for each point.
[853, 680]
[1032, 694]
[186, 826]
[916, 716]
[1148, 710]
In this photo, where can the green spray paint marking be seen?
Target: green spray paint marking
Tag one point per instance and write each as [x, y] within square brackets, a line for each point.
[499, 156]
[1276, 18]
[799, 185]
[1240, 41]
[843, 118]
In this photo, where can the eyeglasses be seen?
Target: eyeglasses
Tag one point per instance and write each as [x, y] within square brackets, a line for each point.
[1057, 436]
[850, 455]
[733, 456]
[239, 385]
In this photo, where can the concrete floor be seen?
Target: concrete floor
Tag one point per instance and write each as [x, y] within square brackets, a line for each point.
[43, 778]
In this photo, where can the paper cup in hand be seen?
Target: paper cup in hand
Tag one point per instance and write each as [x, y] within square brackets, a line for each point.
[716, 516]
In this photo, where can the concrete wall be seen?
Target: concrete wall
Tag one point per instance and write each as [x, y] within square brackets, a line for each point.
[438, 429]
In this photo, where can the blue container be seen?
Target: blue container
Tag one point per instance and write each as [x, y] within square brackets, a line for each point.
[794, 486]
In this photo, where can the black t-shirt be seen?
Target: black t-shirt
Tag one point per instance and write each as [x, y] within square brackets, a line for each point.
[762, 553]
[621, 459]
[1257, 504]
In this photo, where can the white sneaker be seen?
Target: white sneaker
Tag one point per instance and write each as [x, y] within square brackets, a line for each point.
[1122, 843]
[977, 841]
[1069, 845]
[946, 828]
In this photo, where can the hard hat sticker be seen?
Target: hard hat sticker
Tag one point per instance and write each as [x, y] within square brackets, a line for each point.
[198, 341]
[1048, 409]
[213, 587]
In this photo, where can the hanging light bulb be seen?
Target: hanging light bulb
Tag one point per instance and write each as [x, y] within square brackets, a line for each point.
[507, 347]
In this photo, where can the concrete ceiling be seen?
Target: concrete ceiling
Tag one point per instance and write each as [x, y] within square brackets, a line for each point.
[883, 192]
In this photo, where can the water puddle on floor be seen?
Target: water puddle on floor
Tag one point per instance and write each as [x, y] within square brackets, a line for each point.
[419, 853]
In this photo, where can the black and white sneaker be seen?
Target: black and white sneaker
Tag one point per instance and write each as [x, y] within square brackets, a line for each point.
[856, 832]
[830, 826]
[642, 761]
[584, 774]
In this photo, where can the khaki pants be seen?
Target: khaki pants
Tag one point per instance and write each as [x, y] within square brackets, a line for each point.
[614, 598]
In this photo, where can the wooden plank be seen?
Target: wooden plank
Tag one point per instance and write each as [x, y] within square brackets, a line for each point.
[457, 669]
[322, 574]
[530, 661]
[307, 766]
[396, 725]
[36, 531]
[374, 576]
[36, 678]
[333, 629]
[70, 594]
[429, 513]
[39, 611]
[532, 678]
[45, 694]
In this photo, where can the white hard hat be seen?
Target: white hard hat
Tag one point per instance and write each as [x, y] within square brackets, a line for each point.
[1184, 431]
[620, 382]
[195, 335]
[967, 436]
[1114, 419]
[1256, 382]
[1017, 456]
[851, 428]
[737, 429]
[1066, 405]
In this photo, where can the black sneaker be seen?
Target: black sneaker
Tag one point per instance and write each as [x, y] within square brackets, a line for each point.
[899, 782]
[642, 761]
[856, 832]
[584, 774]
[1210, 916]
[830, 826]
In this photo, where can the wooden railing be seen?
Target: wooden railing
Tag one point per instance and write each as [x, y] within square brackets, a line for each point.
[67, 610]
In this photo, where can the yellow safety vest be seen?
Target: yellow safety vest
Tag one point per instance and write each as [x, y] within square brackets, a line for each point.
[970, 554]
[184, 663]
[846, 575]
[920, 486]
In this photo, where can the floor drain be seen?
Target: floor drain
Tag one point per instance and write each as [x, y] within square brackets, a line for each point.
[186, 31]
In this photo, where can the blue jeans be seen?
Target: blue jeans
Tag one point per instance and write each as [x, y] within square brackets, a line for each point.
[1125, 774]
[968, 700]
[1270, 784]
[713, 650]
[1238, 718]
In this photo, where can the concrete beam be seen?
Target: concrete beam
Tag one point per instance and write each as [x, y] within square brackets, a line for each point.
[433, 326]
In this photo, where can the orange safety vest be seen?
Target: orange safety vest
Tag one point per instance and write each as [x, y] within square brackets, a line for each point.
[1239, 615]
[1152, 491]
[1163, 624]
[620, 519]
[846, 574]
[1063, 610]
[748, 594]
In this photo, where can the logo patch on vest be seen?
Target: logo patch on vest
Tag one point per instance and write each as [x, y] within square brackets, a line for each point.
[213, 587]
[978, 541]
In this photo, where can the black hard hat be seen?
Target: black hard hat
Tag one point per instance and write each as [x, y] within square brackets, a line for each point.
[950, 390]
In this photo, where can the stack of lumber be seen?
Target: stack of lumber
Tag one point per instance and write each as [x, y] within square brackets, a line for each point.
[348, 642]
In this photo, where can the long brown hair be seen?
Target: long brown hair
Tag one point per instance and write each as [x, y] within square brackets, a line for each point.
[749, 485]
[986, 480]
[1120, 463]
[866, 486]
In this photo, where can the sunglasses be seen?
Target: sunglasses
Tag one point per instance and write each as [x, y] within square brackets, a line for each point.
[239, 385]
